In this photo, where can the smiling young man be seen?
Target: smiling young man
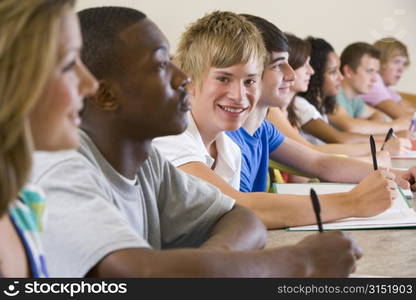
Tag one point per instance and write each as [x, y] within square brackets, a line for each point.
[222, 93]
[116, 204]
[226, 63]
[360, 65]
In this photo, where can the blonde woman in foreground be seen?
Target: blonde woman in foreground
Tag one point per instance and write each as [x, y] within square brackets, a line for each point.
[42, 83]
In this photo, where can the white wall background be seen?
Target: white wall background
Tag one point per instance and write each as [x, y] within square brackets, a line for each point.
[340, 22]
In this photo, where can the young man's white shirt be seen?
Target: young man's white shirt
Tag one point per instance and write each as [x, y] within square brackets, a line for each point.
[188, 147]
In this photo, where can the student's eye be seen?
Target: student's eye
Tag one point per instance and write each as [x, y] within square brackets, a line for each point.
[222, 79]
[277, 66]
[163, 65]
[69, 66]
[249, 82]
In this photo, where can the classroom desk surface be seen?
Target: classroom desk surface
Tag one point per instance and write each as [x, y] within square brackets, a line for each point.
[386, 252]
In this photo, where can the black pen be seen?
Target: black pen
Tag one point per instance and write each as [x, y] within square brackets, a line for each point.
[388, 136]
[316, 209]
[373, 152]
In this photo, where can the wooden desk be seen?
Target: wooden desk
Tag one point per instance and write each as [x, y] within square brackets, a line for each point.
[388, 253]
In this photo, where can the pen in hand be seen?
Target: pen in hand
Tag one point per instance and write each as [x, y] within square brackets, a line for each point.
[388, 136]
[373, 152]
[316, 209]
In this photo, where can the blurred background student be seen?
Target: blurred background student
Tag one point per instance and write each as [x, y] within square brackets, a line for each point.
[394, 60]
[304, 117]
[42, 83]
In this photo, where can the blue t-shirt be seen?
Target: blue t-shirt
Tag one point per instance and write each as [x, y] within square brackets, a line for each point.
[255, 152]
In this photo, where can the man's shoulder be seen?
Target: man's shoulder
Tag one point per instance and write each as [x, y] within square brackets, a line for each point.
[155, 162]
[268, 129]
[341, 97]
[46, 162]
[302, 103]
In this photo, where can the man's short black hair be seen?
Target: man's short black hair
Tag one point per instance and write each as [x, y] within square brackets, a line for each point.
[273, 37]
[100, 27]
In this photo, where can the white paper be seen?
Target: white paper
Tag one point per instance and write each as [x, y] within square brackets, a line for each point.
[400, 214]
[409, 155]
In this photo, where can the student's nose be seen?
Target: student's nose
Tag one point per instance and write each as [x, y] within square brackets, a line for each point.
[340, 76]
[289, 74]
[311, 70]
[374, 77]
[88, 83]
[179, 79]
[236, 91]
[400, 69]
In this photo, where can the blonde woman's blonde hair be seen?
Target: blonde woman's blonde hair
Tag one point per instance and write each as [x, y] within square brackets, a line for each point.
[29, 40]
[220, 40]
[389, 48]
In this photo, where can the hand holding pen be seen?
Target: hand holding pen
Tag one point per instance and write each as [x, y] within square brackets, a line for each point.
[373, 152]
[389, 134]
[316, 209]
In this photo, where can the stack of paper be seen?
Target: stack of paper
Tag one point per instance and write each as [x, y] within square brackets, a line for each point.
[407, 155]
[400, 214]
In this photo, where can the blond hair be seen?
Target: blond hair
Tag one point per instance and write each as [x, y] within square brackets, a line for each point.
[219, 39]
[29, 39]
[389, 48]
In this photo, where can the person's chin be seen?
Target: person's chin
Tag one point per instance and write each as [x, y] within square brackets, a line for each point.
[178, 127]
[71, 141]
[394, 82]
[67, 142]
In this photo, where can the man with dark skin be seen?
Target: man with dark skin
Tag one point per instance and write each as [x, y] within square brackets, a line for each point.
[142, 96]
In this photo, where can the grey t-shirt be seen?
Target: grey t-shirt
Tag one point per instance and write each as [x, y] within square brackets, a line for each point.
[93, 210]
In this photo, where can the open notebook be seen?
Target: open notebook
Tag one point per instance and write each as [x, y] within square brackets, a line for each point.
[408, 155]
[399, 215]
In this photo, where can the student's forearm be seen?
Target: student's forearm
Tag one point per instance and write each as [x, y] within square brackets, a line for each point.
[355, 150]
[393, 109]
[359, 149]
[329, 254]
[282, 210]
[239, 229]
[329, 134]
[340, 169]
[372, 127]
[345, 137]
[282, 262]
[377, 116]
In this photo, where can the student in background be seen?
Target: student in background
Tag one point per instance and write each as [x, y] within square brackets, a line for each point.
[257, 136]
[305, 118]
[394, 59]
[118, 209]
[359, 66]
[224, 88]
[42, 83]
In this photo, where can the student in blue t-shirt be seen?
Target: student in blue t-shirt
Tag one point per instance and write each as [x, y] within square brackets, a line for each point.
[259, 140]
[225, 72]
